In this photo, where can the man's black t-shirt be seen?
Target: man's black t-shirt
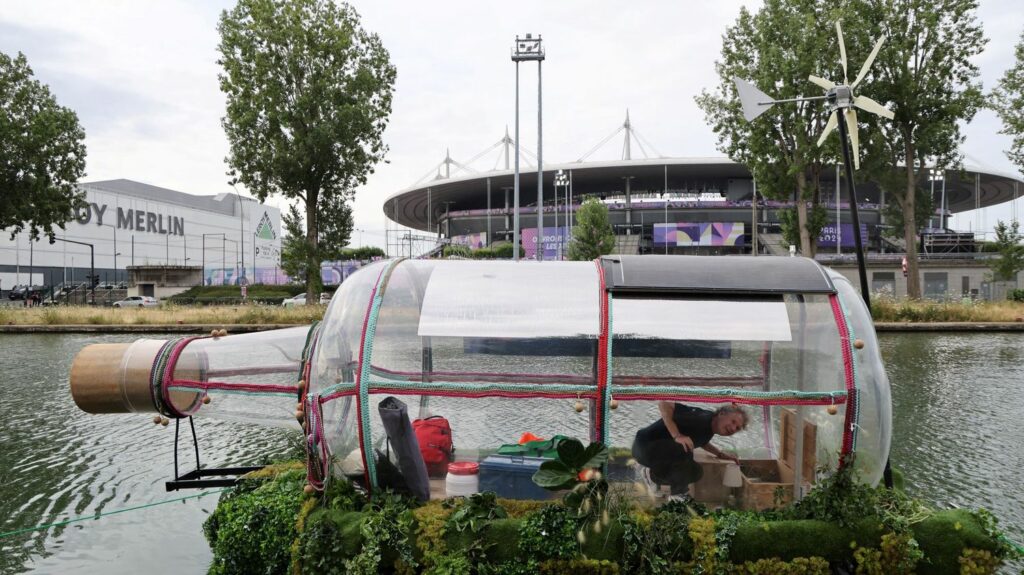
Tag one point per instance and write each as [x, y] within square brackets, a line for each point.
[691, 421]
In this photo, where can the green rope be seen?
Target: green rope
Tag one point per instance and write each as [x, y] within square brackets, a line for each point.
[98, 515]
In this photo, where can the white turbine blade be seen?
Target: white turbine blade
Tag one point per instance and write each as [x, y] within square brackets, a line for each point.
[826, 84]
[851, 126]
[842, 50]
[833, 121]
[869, 105]
[754, 101]
[868, 62]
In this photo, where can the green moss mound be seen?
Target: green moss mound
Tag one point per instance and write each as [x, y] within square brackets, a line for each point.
[270, 525]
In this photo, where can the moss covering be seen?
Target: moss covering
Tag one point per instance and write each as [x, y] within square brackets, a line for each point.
[269, 525]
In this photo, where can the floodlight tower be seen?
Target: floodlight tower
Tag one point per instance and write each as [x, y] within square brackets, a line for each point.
[526, 49]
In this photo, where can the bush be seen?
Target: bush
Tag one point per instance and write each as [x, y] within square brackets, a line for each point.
[1015, 295]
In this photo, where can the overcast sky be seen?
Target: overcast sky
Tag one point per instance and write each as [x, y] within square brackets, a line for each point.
[142, 77]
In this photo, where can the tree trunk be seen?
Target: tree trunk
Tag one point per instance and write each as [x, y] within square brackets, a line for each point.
[910, 226]
[312, 242]
[806, 247]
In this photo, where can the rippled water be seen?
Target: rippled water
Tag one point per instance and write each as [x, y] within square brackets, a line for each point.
[958, 430]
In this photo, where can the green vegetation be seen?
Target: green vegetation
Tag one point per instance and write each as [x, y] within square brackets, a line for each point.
[308, 95]
[867, 530]
[1011, 252]
[780, 147]
[167, 314]
[206, 295]
[502, 251]
[43, 154]
[1008, 102]
[927, 311]
[592, 236]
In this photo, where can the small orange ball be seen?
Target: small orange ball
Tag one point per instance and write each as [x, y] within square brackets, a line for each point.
[206, 400]
[578, 407]
[858, 343]
[308, 489]
[299, 415]
[614, 404]
[832, 410]
[164, 421]
[214, 333]
[156, 420]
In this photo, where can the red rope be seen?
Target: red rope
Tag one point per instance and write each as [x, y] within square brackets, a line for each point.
[851, 390]
[602, 353]
[223, 385]
[168, 380]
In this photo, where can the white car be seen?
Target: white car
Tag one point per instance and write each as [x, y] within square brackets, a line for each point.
[137, 301]
[293, 301]
[325, 298]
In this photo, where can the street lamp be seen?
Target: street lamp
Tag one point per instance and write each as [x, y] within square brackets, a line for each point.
[526, 49]
[561, 180]
[241, 223]
[92, 264]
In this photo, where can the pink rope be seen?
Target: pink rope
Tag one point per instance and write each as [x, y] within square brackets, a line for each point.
[223, 385]
[727, 399]
[168, 379]
[851, 390]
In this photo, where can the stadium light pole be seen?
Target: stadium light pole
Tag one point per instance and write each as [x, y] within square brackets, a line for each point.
[560, 180]
[529, 49]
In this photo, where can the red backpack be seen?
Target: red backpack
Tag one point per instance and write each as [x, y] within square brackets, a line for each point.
[434, 435]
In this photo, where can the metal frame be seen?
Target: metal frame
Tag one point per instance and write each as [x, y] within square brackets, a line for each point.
[195, 479]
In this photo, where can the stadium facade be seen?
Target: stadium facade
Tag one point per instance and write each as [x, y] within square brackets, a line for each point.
[693, 206]
[129, 223]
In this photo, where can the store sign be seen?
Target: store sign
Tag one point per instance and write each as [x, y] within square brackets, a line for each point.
[137, 220]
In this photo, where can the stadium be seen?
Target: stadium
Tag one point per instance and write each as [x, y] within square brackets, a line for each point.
[691, 206]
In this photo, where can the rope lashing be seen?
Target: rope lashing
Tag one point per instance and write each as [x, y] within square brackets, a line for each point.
[161, 379]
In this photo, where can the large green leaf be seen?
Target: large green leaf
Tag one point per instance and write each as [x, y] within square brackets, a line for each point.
[554, 475]
[571, 452]
[594, 456]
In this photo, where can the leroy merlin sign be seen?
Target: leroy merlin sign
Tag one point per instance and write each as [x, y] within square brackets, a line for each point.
[265, 231]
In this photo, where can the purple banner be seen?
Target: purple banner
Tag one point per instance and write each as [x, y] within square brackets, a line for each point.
[333, 273]
[844, 235]
[474, 241]
[552, 238]
[699, 234]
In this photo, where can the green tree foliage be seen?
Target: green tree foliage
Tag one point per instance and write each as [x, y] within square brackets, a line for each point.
[776, 49]
[42, 155]
[1008, 102]
[308, 97]
[1011, 251]
[296, 253]
[926, 75]
[592, 236]
[924, 209]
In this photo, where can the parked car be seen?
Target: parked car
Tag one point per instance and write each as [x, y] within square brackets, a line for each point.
[137, 301]
[293, 301]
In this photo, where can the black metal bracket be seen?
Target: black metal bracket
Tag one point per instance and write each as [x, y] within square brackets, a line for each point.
[227, 476]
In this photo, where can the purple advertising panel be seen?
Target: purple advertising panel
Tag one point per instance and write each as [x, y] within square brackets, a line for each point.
[699, 234]
[333, 273]
[844, 235]
[552, 238]
[474, 241]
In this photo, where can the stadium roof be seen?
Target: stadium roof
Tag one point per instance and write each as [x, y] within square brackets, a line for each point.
[468, 192]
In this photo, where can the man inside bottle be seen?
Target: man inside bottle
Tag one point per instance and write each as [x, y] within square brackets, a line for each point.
[664, 449]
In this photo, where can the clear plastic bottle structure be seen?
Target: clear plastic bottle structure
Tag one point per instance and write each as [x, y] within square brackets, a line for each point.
[577, 349]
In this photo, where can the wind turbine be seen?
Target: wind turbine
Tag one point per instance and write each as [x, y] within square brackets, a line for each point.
[841, 99]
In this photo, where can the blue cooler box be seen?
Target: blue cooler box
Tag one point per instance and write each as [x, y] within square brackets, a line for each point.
[511, 477]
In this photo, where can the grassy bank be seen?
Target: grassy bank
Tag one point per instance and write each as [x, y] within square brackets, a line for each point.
[926, 311]
[884, 310]
[167, 314]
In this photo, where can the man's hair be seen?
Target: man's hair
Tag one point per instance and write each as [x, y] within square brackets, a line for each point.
[733, 408]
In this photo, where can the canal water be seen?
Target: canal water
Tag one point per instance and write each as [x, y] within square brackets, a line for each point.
[958, 437]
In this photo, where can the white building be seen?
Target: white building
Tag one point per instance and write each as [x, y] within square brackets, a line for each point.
[131, 223]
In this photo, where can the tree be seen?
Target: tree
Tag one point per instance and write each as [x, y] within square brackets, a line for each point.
[42, 155]
[1011, 252]
[592, 236]
[297, 254]
[1008, 102]
[308, 97]
[925, 72]
[777, 49]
